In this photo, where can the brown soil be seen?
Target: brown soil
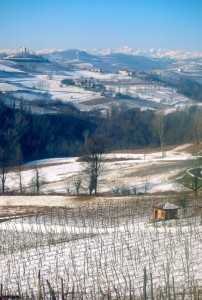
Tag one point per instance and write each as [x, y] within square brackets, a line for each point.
[10, 211]
[20, 211]
[144, 150]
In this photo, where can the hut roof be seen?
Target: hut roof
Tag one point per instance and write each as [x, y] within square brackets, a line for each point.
[166, 206]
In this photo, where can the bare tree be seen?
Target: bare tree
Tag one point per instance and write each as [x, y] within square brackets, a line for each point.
[115, 185]
[146, 186]
[116, 189]
[77, 183]
[37, 181]
[160, 128]
[93, 156]
[7, 144]
[4, 168]
[19, 167]
[85, 135]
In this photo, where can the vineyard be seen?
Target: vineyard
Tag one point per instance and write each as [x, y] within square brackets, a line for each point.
[109, 250]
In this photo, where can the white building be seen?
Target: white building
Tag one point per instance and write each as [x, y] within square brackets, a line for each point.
[23, 50]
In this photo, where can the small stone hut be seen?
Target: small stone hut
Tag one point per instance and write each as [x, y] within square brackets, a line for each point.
[165, 211]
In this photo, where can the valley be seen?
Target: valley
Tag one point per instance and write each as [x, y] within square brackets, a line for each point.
[33, 78]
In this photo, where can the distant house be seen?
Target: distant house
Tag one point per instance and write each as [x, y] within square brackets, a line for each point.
[165, 211]
[98, 70]
[125, 73]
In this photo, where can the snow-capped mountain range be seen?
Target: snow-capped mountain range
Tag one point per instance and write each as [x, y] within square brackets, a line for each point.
[152, 53]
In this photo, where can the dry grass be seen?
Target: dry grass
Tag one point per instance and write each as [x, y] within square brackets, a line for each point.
[20, 211]
[161, 168]
[144, 150]
[193, 148]
[188, 148]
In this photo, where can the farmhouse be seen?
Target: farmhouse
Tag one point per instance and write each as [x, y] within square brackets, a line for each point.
[165, 211]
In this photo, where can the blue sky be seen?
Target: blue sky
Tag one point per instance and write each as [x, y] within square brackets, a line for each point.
[38, 24]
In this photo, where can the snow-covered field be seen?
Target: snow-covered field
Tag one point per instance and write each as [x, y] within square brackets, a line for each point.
[144, 172]
[41, 84]
[9, 69]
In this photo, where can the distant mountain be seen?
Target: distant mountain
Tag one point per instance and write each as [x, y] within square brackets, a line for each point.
[108, 62]
[73, 55]
[126, 57]
[119, 61]
[152, 53]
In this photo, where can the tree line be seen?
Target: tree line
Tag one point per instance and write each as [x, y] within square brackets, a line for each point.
[132, 128]
[57, 135]
[190, 88]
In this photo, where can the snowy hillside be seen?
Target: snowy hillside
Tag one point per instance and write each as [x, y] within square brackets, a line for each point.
[42, 80]
[144, 172]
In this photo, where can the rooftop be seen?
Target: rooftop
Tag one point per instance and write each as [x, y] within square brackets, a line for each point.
[166, 206]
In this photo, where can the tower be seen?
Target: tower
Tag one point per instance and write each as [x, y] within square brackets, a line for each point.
[22, 50]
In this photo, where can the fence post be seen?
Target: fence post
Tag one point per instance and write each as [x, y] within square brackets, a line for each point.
[152, 291]
[174, 296]
[39, 285]
[196, 292]
[145, 285]
[52, 294]
[62, 290]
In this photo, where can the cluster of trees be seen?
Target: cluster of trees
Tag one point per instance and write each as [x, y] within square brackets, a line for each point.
[190, 88]
[86, 83]
[131, 128]
[44, 135]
